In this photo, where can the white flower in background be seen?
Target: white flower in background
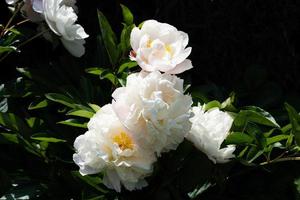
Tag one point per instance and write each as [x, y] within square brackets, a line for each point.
[60, 16]
[11, 2]
[160, 46]
[154, 106]
[32, 10]
[209, 130]
[61, 19]
[110, 148]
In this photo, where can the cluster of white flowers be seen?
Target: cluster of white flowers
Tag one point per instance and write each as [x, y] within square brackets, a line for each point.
[60, 16]
[150, 114]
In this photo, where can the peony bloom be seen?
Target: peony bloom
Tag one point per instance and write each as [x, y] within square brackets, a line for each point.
[160, 46]
[110, 148]
[209, 130]
[61, 17]
[154, 106]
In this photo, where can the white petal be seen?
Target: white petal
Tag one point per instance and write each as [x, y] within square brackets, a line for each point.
[37, 6]
[75, 47]
[182, 56]
[135, 37]
[185, 65]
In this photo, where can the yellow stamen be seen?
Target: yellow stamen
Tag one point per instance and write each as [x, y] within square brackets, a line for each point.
[149, 43]
[168, 49]
[123, 140]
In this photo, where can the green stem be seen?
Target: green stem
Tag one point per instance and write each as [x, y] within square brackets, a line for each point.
[19, 6]
[17, 24]
[280, 160]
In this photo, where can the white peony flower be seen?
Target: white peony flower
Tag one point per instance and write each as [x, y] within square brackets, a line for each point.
[61, 17]
[160, 46]
[154, 106]
[209, 130]
[110, 148]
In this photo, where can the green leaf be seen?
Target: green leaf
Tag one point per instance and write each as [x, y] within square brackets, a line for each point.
[127, 65]
[103, 74]
[12, 122]
[297, 184]
[253, 154]
[47, 139]
[270, 132]
[7, 49]
[197, 191]
[109, 76]
[295, 121]
[125, 40]
[238, 138]
[277, 138]
[81, 113]
[74, 122]
[11, 137]
[127, 15]
[109, 39]
[286, 128]
[212, 104]
[37, 104]
[35, 123]
[22, 190]
[3, 105]
[269, 119]
[93, 181]
[102, 197]
[62, 99]
[95, 70]
[24, 71]
[94, 107]
[228, 103]
[256, 115]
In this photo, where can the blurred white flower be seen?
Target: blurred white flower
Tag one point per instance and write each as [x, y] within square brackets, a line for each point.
[32, 11]
[154, 106]
[209, 130]
[37, 5]
[160, 46]
[61, 17]
[110, 148]
[10, 2]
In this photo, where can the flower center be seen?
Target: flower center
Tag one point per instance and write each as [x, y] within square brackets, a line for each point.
[168, 49]
[149, 43]
[123, 141]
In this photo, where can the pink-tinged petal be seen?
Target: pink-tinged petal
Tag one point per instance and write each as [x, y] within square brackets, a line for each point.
[185, 65]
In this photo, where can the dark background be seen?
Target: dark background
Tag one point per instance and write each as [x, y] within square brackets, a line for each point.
[249, 47]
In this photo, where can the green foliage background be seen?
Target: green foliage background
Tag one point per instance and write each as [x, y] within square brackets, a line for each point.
[246, 47]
